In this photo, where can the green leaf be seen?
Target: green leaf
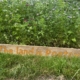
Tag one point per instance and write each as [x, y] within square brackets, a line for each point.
[64, 42]
[74, 39]
[70, 32]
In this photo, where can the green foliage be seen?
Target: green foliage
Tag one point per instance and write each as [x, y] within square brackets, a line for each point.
[46, 23]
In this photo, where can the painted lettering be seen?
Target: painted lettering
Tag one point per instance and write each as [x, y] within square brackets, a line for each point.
[65, 53]
[53, 53]
[38, 52]
[10, 51]
[0, 48]
[31, 51]
[48, 52]
[26, 52]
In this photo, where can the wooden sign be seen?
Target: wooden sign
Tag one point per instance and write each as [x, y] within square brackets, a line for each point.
[38, 50]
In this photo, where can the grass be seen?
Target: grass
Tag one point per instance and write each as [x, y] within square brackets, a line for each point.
[30, 67]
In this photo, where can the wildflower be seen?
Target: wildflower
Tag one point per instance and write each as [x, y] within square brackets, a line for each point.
[79, 8]
[69, 16]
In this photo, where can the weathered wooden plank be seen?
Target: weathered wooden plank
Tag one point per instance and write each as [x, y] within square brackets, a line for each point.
[38, 50]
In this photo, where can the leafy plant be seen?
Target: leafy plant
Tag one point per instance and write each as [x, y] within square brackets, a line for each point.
[45, 23]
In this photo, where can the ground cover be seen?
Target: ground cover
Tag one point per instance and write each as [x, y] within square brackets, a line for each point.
[17, 67]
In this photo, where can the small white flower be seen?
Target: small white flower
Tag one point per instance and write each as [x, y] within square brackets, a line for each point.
[73, 9]
[5, 10]
[77, 13]
[6, 15]
[79, 8]
[1, 0]
[53, 9]
[69, 16]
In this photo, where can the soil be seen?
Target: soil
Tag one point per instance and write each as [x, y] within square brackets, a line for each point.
[52, 77]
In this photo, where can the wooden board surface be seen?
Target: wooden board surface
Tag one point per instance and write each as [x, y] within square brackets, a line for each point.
[38, 50]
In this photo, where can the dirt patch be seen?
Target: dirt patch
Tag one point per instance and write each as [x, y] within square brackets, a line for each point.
[61, 77]
[52, 77]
